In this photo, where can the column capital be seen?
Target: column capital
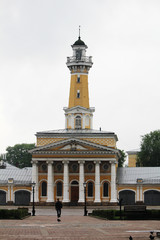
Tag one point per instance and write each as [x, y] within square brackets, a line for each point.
[81, 162]
[34, 161]
[97, 162]
[49, 162]
[65, 162]
[113, 162]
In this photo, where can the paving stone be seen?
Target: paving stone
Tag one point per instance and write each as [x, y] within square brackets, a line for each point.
[74, 227]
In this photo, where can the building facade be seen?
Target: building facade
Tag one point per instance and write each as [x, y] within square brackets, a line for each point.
[65, 159]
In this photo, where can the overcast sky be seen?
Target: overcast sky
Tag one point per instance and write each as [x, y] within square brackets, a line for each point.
[123, 36]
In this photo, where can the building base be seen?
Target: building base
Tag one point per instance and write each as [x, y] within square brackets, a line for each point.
[74, 204]
[10, 203]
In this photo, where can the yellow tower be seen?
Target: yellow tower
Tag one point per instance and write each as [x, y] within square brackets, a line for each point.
[79, 115]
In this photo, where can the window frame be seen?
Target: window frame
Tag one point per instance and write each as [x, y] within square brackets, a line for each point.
[90, 186]
[59, 190]
[44, 189]
[78, 93]
[78, 122]
[105, 190]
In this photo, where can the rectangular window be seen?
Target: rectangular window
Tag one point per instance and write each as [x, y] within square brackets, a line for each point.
[78, 79]
[78, 93]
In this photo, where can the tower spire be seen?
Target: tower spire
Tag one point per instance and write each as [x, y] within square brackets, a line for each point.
[79, 32]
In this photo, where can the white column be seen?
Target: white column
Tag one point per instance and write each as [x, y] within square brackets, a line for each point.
[113, 183]
[91, 121]
[35, 179]
[81, 181]
[66, 182]
[72, 121]
[141, 193]
[66, 120]
[8, 197]
[137, 194]
[83, 119]
[97, 181]
[12, 198]
[50, 191]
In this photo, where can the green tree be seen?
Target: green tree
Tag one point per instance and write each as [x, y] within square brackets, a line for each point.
[19, 155]
[149, 155]
[122, 158]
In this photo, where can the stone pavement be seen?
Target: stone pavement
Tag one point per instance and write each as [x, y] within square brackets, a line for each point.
[74, 226]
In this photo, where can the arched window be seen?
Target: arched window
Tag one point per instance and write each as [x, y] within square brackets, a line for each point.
[105, 189]
[78, 122]
[74, 183]
[44, 189]
[90, 189]
[59, 189]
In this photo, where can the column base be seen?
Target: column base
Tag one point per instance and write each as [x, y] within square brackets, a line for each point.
[113, 201]
[97, 201]
[50, 200]
[80, 201]
[65, 201]
[10, 203]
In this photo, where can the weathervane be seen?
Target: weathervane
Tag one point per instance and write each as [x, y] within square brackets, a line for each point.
[79, 31]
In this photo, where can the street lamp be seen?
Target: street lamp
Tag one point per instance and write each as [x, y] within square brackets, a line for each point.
[33, 208]
[85, 206]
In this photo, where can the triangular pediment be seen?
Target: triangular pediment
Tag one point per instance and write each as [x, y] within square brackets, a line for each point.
[74, 145]
[79, 109]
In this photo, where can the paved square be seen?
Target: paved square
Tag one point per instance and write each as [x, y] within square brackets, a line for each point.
[73, 227]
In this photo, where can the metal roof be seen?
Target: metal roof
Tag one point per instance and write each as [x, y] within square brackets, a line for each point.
[20, 176]
[77, 132]
[149, 175]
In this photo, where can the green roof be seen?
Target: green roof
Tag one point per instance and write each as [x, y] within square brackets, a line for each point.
[79, 42]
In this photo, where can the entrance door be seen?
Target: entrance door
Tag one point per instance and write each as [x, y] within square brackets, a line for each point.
[128, 197]
[152, 198]
[2, 198]
[22, 198]
[74, 193]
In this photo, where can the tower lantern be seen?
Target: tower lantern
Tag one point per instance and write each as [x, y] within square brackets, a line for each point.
[79, 115]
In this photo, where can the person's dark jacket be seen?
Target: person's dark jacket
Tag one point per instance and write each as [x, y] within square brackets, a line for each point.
[58, 205]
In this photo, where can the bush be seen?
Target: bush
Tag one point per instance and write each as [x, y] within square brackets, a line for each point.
[108, 214]
[115, 215]
[13, 213]
[153, 214]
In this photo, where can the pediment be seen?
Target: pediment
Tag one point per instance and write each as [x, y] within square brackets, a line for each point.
[74, 145]
[78, 109]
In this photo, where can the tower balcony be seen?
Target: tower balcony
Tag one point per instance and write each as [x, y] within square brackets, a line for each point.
[83, 61]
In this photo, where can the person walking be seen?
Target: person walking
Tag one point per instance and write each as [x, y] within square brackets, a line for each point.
[58, 207]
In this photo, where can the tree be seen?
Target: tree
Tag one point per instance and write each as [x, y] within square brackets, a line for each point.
[19, 156]
[149, 155]
[122, 159]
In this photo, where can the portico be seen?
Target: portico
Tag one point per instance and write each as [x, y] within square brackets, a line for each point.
[70, 171]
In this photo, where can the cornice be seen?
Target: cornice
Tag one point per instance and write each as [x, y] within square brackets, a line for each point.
[74, 153]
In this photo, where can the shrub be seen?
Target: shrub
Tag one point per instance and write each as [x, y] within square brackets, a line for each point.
[13, 213]
[108, 214]
[115, 214]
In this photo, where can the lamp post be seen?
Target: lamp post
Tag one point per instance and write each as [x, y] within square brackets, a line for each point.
[85, 206]
[33, 206]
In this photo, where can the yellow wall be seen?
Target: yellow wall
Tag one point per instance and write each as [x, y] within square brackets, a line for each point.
[132, 158]
[83, 87]
[110, 142]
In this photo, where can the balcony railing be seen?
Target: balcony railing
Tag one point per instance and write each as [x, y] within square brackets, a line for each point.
[82, 59]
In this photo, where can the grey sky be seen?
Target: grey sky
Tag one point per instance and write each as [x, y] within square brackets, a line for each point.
[123, 36]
